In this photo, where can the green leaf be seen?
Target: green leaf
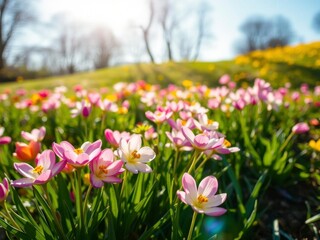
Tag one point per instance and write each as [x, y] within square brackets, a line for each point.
[157, 226]
[255, 193]
[46, 209]
[236, 186]
[21, 208]
[12, 230]
[28, 227]
[313, 219]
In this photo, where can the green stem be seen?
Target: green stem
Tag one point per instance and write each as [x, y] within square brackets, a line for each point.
[102, 121]
[195, 159]
[286, 142]
[85, 205]
[175, 162]
[202, 163]
[56, 221]
[123, 182]
[192, 225]
[79, 200]
[9, 215]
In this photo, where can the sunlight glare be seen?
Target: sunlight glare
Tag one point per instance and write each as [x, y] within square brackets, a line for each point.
[116, 14]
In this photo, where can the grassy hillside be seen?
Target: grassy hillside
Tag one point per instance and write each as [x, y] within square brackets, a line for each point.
[297, 64]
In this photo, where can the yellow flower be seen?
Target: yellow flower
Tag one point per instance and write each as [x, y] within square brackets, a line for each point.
[315, 144]
[187, 83]
[86, 179]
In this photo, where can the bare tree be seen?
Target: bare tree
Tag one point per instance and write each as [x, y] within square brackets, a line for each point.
[202, 27]
[255, 30]
[71, 46]
[146, 30]
[281, 33]
[168, 22]
[14, 14]
[260, 33]
[103, 46]
[316, 22]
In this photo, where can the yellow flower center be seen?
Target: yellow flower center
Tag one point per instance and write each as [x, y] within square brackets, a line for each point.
[38, 169]
[202, 199]
[78, 151]
[134, 155]
[103, 169]
[226, 143]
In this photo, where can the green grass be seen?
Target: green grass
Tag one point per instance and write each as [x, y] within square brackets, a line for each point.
[277, 66]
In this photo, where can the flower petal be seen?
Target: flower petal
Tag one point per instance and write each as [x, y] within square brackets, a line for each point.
[25, 170]
[208, 186]
[216, 200]
[216, 211]
[134, 143]
[107, 154]
[47, 159]
[188, 134]
[189, 186]
[112, 179]
[114, 167]
[131, 167]
[96, 182]
[44, 177]
[182, 196]
[23, 182]
[141, 167]
[92, 147]
[147, 154]
[57, 168]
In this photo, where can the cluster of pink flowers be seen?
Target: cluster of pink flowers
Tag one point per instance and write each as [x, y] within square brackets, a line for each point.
[187, 121]
[225, 97]
[103, 164]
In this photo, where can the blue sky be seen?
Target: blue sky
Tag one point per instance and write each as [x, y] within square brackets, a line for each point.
[227, 16]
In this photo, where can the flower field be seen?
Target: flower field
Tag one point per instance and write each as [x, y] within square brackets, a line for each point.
[141, 161]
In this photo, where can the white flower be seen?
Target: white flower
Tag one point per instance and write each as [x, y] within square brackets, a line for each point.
[134, 156]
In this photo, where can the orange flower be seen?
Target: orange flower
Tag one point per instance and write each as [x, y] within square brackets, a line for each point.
[27, 152]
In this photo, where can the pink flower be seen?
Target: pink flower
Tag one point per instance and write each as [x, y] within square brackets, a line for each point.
[4, 189]
[77, 157]
[224, 79]
[107, 105]
[134, 156]
[179, 141]
[202, 199]
[46, 168]
[27, 152]
[300, 128]
[5, 139]
[204, 123]
[179, 123]
[223, 149]
[158, 116]
[94, 98]
[105, 169]
[295, 96]
[203, 141]
[36, 135]
[83, 108]
[150, 134]
[113, 137]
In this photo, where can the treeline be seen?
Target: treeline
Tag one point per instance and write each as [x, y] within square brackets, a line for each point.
[172, 32]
